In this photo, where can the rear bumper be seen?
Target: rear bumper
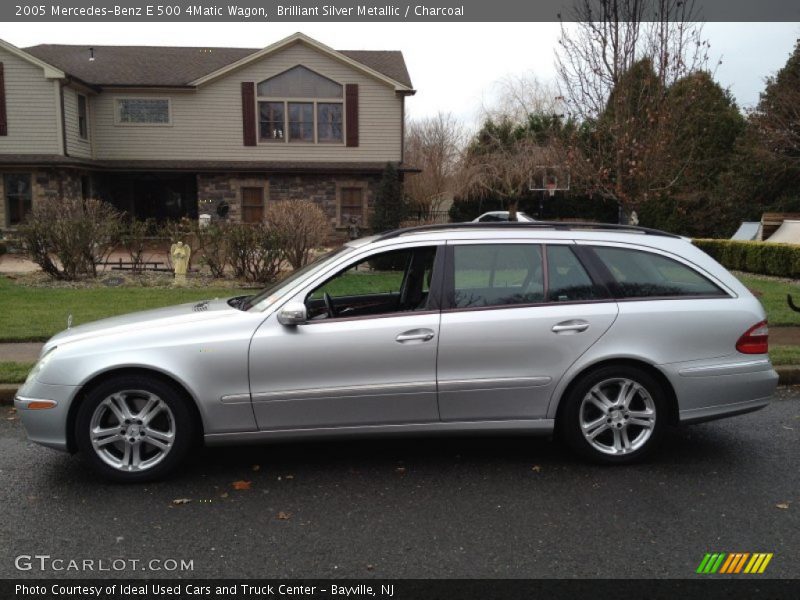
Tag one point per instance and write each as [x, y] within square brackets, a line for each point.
[720, 388]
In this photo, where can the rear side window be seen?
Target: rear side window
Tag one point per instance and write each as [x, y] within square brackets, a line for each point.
[497, 275]
[638, 274]
[567, 280]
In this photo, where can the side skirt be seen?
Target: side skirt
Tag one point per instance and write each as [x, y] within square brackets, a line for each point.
[531, 426]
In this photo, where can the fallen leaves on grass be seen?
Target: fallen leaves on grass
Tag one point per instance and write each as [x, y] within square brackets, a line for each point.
[782, 505]
[181, 501]
[284, 516]
[241, 484]
[536, 469]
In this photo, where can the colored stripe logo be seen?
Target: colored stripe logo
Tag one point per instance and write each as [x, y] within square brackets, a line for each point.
[732, 563]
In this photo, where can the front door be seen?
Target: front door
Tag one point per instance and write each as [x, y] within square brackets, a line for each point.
[516, 315]
[366, 355]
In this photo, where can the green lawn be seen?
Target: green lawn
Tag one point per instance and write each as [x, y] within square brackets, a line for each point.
[14, 372]
[34, 314]
[772, 294]
[784, 355]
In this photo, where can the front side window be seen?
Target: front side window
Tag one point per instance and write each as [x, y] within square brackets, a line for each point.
[143, 111]
[18, 197]
[83, 123]
[391, 282]
[496, 275]
[639, 274]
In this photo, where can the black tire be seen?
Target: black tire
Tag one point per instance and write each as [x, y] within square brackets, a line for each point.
[569, 418]
[181, 418]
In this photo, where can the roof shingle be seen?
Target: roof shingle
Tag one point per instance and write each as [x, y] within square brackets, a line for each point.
[166, 66]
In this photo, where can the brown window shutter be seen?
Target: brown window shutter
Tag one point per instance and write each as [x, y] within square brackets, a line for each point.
[351, 108]
[249, 112]
[3, 115]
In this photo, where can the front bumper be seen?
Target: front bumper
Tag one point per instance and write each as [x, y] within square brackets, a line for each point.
[45, 426]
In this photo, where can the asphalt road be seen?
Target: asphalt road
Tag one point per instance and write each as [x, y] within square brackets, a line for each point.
[453, 507]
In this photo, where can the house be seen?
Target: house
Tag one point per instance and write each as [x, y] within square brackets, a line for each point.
[158, 130]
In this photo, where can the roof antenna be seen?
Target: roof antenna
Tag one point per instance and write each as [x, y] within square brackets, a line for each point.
[91, 54]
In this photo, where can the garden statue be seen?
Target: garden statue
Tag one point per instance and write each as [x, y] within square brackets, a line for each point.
[180, 254]
[353, 229]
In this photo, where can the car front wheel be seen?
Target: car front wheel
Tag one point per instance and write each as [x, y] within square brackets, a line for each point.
[134, 428]
[614, 415]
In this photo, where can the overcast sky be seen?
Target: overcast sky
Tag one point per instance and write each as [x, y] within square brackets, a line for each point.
[454, 66]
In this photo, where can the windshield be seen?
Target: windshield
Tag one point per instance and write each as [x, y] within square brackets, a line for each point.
[266, 297]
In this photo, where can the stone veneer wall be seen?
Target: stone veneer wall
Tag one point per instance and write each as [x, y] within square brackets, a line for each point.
[322, 189]
[46, 184]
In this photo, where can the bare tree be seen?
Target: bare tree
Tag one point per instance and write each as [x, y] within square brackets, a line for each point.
[433, 144]
[616, 64]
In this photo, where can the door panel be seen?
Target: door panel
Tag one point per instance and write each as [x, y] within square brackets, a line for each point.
[345, 372]
[367, 356]
[504, 363]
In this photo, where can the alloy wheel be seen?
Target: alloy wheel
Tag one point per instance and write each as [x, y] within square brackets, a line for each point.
[617, 416]
[132, 430]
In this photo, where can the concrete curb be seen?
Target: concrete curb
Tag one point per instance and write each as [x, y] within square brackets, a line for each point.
[788, 375]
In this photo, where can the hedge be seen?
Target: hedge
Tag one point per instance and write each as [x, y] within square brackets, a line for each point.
[780, 260]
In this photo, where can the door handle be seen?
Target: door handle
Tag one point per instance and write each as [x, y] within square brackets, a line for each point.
[415, 335]
[566, 326]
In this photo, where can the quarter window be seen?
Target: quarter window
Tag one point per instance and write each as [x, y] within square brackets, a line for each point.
[143, 111]
[638, 274]
[497, 275]
[17, 188]
[329, 122]
[567, 280]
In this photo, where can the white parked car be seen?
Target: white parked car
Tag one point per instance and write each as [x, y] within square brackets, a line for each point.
[501, 216]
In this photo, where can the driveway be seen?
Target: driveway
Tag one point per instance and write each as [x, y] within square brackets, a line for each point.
[451, 507]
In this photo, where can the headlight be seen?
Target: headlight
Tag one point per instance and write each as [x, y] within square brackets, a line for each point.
[40, 365]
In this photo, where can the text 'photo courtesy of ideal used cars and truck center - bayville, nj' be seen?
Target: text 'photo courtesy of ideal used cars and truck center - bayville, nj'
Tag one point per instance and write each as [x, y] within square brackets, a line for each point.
[407, 301]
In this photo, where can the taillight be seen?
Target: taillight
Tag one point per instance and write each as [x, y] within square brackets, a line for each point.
[754, 340]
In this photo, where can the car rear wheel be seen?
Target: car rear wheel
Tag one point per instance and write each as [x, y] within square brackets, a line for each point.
[134, 428]
[614, 415]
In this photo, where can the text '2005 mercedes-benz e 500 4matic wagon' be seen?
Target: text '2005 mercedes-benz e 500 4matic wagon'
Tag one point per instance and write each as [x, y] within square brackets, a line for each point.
[603, 334]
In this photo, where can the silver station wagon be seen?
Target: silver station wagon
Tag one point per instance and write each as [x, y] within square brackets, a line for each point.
[602, 334]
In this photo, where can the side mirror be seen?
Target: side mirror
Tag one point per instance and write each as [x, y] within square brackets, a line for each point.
[293, 313]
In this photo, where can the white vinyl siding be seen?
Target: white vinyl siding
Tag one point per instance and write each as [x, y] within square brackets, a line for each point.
[76, 145]
[32, 107]
[207, 122]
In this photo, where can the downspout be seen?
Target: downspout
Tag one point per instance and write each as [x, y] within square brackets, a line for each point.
[63, 84]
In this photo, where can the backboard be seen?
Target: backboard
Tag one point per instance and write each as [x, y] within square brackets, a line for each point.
[549, 179]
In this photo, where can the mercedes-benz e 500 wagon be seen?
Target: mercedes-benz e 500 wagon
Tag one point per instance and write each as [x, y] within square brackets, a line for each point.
[602, 334]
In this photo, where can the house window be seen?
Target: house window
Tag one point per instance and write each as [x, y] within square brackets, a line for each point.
[272, 123]
[252, 205]
[351, 206]
[18, 197]
[143, 111]
[303, 103]
[83, 123]
[329, 122]
[301, 122]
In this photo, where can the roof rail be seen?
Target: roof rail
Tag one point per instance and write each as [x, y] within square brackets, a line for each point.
[556, 225]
